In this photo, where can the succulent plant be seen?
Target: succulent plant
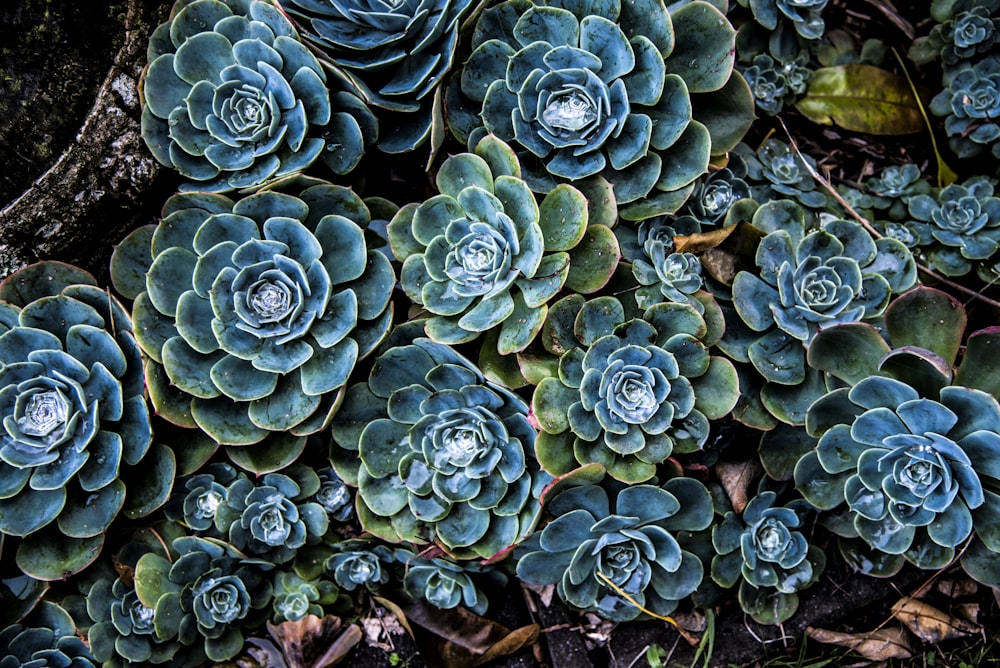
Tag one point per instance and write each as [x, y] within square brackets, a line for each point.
[616, 552]
[123, 632]
[909, 446]
[360, 563]
[207, 597]
[804, 15]
[438, 453]
[775, 84]
[395, 54]
[48, 638]
[273, 518]
[766, 551]
[334, 496]
[715, 193]
[783, 173]
[197, 498]
[835, 274]
[964, 220]
[295, 597]
[77, 446]
[965, 29]
[970, 104]
[254, 313]
[232, 99]
[677, 276]
[895, 186]
[630, 392]
[444, 584]
[483, 255]
[582, 90]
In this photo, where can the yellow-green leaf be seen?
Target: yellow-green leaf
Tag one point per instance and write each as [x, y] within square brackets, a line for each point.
[862, 98]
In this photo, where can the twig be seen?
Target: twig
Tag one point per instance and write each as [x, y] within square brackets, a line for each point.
[891, 13]
[972, 294]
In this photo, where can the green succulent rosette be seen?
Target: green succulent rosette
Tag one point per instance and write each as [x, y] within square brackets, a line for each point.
[439, 455]
[483, 255]
[296, 597]
[802, 284]
[442, 583]
[804, 15]
[626, 92]
[970, 105]
[630, 391]
[963, 223]
[765, 550]
[76, 450]
[360, 563]
[395, 54]
[964, 31]
[232, 99]
[273, 518]
[909, 448]
[207, 597]
[47, 638]
[616, 553]
[253, 313]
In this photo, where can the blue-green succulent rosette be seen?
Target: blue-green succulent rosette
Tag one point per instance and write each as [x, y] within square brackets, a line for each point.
[767, 553]
[207, 597]
[396, 54]
[970, 105]
[76, 449]
[804, 15]
[46, 638]
[965, 31]
[232, 99]
[802, 284]
[484, 255]
[963, 221]
[615, 551]
[631, 392]
[581, 90]
[439, 454]
[909, 445]
[443, 583]
[254, 313]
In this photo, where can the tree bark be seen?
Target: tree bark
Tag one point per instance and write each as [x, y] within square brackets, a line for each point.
[103, 183]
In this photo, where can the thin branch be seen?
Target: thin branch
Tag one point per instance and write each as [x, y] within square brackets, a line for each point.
[971, 294]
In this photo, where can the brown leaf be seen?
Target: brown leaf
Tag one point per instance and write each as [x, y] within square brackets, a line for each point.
[930, 624]
[882, 644]
[724, 252]
[458, 638]
[313, 642]
[736, 478]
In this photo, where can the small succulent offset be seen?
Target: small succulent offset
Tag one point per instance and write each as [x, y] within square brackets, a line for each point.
[676, 276]
[334, 495]
[804, 15]
[964, 220]
[909, 445]
[965, 29]
[616, 552]
[715, 193]
[630, 393]
[232, 99]
[47, 638]
[295, 597]
[273, 518]
[443, 583]
[395, 53]
[781, 172]
[767, 553]
[483, 255]
[207, 597]
[582, 90]
[970, 104]
[360, 563]
[76, 449]
[197, 498]
[254, 313]
[438, 454]
[775, 84]
[895, 186]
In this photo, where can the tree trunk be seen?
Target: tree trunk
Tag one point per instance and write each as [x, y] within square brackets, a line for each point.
[74, 168]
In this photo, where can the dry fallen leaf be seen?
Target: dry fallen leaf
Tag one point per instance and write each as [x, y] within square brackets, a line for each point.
[930, 624]
[891, 642]
[314, 642]
[736, 478]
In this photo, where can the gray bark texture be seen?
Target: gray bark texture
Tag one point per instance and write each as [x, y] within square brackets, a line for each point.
[98, 182]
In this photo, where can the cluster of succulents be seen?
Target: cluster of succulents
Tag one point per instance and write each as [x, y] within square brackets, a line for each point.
[525, 361]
